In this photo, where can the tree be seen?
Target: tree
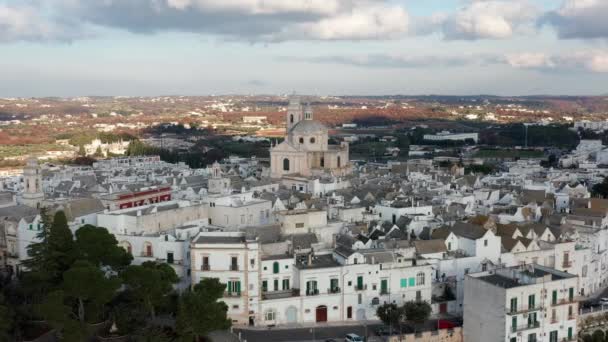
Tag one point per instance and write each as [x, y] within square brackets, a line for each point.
[98, 152]
[600, 189]
[81, 151]
[151, 284]
[597, 336]
[100, 248]
[90, 289]
[59, 316]
[6, 320]
[200, 312]
[390, 314]
[417, 311]
[53, 254]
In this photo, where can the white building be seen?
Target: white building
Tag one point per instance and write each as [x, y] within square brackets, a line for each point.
[445, 135]
[521, 304]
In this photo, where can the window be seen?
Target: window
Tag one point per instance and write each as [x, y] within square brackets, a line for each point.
[275, 267]
[276, 284]
[384, 286]
[359, 299]
[420, 278]
[570, 333]
[286, 164]
[418, 296]
[412, 282]
[285, 284]
[312, 140]
[449, 246]
[514, 323]
[234, 266]
[554, 297]
[553, 336]
[299, 225]
[339, 161]
[233, 287]
[301, 140]
[311, 288]
[252, 262]
[403, 282]
[571, 293]
[513, 304]
[291, 118]
[271, 315]
[532, 337]
[485, 243]
[531, 301]
[264, 285]
[359, 282]
[484, 267]
[322, 162]
[333, 285]
[570, 312]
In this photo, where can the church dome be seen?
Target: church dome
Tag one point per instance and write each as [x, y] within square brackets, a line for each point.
[309, 127]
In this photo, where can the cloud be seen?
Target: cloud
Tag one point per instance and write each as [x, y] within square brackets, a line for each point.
[249, 20]
[580, 19]
[594, 61]
[399, 61]
[491, 19]
[27, 23]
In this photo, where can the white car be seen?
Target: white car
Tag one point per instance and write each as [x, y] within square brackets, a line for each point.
[353, 338]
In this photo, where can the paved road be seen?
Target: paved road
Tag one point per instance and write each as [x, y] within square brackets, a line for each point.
[306, 334]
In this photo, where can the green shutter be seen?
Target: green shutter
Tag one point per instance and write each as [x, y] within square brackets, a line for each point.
[403, 282]
[238, 287]
[514, 323]
[554, 297]
[276, 284]
[412, 281]
[360, 282]
[514, 304]
[275, 267]
[308, 287]
[229, 286]
[264, 285]
[384, 286]
[531, 301]
[571, 293]
[285, 284]
[570, 333]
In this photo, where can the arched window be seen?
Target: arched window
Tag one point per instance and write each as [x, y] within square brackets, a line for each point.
[285, 164]
[312, 140]
[420, 278]
[291, 118]
[339, 162]
[301, 140]
[275, 267]
[127, 246]
[322, 163]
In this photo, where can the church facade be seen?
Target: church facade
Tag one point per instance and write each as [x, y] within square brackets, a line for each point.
[305, 150]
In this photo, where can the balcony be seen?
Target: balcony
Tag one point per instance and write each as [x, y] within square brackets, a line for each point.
[281, 294]
[313, 292]
[360, 287]
[234, 267]
[232, 294]
[205, 267]
[524, 310]
[525, 327]
[565, 301]
[567, 264]
[333, 290]
[384, 292]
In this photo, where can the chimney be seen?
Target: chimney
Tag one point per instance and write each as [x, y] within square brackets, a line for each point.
[309, 259]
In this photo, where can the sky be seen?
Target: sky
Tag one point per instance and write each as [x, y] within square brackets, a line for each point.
[314, 47]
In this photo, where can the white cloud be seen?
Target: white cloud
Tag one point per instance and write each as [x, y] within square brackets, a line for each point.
[595, 61]
[580, 19]
[360, 23]
[27, 23]
[492, 19]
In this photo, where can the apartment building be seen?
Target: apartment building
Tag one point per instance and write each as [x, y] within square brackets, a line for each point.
[521, 304]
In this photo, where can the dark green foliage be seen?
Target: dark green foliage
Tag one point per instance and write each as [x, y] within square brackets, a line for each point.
[514, 135]
[7, 320]
[483, 169]
[100, 248]
[90, 289]
[598, 336]
[417, 311]
[600, 189]
[390, 314]
[150, 283]
[200, 312]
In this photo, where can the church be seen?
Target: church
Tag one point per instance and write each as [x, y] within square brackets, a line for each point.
[305, 150]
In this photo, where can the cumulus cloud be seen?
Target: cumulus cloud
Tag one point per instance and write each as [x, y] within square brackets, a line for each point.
[250, 20]
[580, 19]
[490, 19]
[591, 61]
[28, 24]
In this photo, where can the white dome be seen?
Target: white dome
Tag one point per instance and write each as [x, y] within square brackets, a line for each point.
[309, 127]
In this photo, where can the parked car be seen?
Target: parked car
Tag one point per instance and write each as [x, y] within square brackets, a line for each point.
[383, 331]
[353, 338]
[604, 301]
